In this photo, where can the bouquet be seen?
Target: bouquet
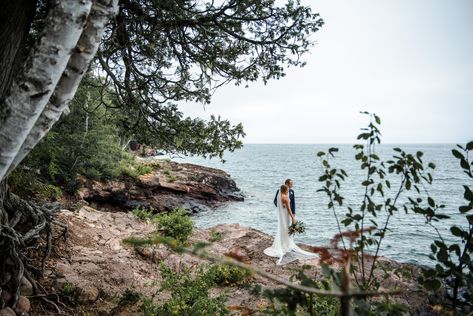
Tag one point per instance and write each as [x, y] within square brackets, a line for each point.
[298, 227]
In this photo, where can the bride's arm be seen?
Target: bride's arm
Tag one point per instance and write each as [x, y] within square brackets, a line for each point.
[288, 208]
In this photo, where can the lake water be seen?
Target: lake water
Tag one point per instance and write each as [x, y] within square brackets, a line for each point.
[260, 169]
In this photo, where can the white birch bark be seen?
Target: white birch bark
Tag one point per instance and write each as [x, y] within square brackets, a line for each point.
[100, 14]
[30, 91]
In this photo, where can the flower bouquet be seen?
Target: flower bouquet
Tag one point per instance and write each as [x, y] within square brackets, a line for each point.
[297, 227]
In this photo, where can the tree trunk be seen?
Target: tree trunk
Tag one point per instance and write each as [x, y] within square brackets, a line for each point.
[26, 86]
[31, 90]
[15, 21]
[100, 14]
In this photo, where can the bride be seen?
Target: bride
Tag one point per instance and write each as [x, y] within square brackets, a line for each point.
[284, 246]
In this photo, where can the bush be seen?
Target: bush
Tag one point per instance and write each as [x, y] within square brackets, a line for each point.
[26, 183]
[189, 295]
[215, 236]
[454, 259]
[47, 191]
[143, 213]
[169, 175]
[176, 224]
[224, 274]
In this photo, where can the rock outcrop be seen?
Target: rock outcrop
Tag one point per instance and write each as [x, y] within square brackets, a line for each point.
[169, 186]
[96, 266]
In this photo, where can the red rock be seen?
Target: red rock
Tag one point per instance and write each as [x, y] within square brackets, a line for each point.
[169, 186]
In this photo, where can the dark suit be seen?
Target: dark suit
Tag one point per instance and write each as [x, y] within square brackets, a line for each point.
[292, 200]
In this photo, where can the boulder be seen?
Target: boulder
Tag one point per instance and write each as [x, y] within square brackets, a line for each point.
[23, 306]
[7, 311]
[87, 294]
[26, 288]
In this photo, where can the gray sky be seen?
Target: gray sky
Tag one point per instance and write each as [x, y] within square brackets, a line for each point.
[406, 60]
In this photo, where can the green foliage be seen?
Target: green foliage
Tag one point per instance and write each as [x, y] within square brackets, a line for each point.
[224, 274]
[169, 175]
[68, 289]
[48, 192]
[379, 197]
[128, 166]
[454, 268]
[176, 224]
[288, 301]
[143, 213]
[26, 183]
[215, 236]
[194, 48]
[85, 142]
[128, 298]
[189, 295]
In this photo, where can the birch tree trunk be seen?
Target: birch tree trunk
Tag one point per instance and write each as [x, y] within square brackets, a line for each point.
[30, 91]
[28, 109]
[100, 14]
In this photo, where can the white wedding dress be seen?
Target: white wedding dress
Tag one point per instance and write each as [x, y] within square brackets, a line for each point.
[283, 246]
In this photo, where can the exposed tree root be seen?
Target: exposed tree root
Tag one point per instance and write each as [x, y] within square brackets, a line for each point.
[23, 224]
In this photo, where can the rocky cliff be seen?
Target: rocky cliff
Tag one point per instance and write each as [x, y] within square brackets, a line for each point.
[170, 185]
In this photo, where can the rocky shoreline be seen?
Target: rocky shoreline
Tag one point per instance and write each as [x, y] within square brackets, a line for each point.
[94, 267]
[98, 267]
[169, 186]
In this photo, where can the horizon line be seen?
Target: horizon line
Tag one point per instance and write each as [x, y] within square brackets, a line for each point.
[353, 143]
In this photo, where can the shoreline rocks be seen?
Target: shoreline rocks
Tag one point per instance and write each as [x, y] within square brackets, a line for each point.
[170, 185]
[96, 266]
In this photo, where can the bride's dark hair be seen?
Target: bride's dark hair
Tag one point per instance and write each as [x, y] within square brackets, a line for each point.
[284, 188]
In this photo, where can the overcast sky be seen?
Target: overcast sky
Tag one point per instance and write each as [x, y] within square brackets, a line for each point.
[409, 61]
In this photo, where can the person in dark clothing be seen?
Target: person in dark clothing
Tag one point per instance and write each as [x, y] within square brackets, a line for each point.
[292, 199]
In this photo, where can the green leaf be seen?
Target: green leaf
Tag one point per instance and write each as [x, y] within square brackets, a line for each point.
[377, 119]
[469, 146]
[468, 194]
[457, 154]
[431, 201]
[408, 184]
[456, 231]
[320, 154]
[464, 164]
[464, 209]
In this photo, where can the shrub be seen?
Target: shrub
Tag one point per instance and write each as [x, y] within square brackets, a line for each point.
[47, 191]
[215, 236]
[454, 260]
[176, 224]
[168, 173]
[143, 213]
[287, 301]
[224, 274]
[142, 169]
[189, 295]
[68, 289]
[25, 183]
